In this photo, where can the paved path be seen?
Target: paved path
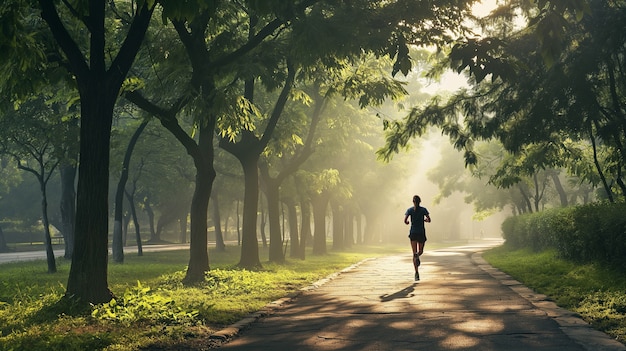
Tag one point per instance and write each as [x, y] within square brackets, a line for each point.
[20, 256]
[461, 303]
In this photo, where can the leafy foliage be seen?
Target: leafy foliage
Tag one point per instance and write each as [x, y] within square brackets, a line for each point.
[141, 304]
[544, 92]
[153, 307]
[585, 233]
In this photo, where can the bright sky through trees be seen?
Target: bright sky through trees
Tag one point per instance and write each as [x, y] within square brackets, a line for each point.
[452, 81]
[484, 7]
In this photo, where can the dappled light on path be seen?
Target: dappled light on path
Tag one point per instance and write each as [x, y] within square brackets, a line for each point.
[378, 306]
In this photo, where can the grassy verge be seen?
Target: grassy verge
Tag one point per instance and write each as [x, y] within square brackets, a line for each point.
[595, 292]
[152, 309]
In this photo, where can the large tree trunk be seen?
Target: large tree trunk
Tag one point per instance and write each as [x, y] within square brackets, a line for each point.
[68, 206]
[205, 175]
[118, 242]
[249, 242]
[88, 275]
[98, 87]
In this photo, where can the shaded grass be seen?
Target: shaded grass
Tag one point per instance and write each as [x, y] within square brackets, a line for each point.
[596, 292]
[152, 309]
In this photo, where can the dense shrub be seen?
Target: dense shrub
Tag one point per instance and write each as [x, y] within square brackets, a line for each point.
[587, 233]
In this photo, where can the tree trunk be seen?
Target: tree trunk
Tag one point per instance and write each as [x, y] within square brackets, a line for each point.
[52, 266]
[98, 88]
[338, 225]
[154, 234]
[348, 234]
[359, 229]
[559, 187]
[133, 213]
[272, 186]
[249, 242]
[217, 222]
[372, 226]
[238, 225]
[182, 223]
[88, 274]
[125, 226]
[596, 162]
[3, 243]
[526, 199]
[292, 215]
[306, 235]
[262, 226]
[118, 242]
[320, 203]
[205, 175]
[68, 207]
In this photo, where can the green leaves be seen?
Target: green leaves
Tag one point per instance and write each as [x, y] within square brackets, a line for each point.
[402, 60]
[482, 57]
[143, 304]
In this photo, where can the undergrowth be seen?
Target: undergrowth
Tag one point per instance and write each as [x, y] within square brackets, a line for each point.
[152, 309]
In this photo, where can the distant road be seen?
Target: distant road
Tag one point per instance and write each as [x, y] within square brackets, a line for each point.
[41, 255]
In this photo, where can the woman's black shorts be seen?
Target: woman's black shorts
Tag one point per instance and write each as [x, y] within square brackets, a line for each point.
[419, 237]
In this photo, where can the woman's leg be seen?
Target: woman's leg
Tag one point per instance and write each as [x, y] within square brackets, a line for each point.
[416, 261]
[421, 248]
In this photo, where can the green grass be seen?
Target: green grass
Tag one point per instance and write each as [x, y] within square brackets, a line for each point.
[152, 309]
[595, 292]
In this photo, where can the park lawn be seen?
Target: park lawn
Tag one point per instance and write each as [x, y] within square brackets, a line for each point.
[596, 292]
[152, 309]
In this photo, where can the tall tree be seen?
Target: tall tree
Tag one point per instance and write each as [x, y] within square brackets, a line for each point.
[248, 151]
[9, 176]
[99, 81]
[30, 139]
[118, 242]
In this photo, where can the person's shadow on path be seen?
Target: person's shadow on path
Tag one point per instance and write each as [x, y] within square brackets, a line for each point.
[402, 294]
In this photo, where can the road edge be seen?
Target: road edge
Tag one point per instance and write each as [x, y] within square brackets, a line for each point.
[226, 334]
[569, 322]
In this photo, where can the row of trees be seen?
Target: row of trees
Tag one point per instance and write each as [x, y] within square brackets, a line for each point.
[212, 73]
[280, 87]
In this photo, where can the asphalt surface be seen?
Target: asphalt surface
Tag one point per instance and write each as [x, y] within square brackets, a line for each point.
[461, 303]
[41, 255]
